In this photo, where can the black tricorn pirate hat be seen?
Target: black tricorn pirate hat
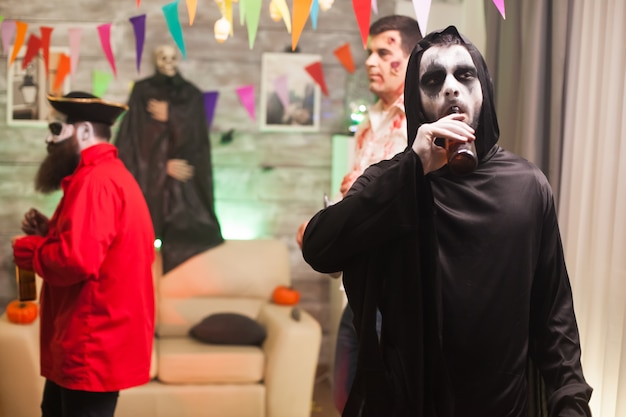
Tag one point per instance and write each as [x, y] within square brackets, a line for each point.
[79, 106]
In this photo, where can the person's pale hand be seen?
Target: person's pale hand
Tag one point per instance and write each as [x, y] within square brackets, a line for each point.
[453, 127]
[179, 169]
[347, 181]
[158, 110]
[35, 223]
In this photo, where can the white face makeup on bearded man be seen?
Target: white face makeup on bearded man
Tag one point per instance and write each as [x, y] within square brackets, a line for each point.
[448, 83]
[58, 128]
[63, 154]
[166, 60]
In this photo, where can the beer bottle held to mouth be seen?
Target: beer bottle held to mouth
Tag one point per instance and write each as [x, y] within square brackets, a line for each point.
[462, 157]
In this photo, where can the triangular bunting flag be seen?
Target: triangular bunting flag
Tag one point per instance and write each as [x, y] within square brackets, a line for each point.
[32, 49]
[374, 7]
[46, 33]
[210, 103]
[500, 5]
[20, 34]
[316, 72]
[139, 27]
[281, 87]
[191, 10]
[242, 11]
[301, 10]
[63, 69]
[101, 82]
[284, 12]
[253, 13]
[74, 35]
[246, 97]
[315, 10]
[7, 27]
[344, 55]
[228, 14]
[362, 11]
[104, 31]
[422, 10]
[173, 24]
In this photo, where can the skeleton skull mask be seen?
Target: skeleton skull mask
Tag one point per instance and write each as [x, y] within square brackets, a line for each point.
[166, 60]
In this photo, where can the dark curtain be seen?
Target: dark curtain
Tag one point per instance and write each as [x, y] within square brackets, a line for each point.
[527, 56]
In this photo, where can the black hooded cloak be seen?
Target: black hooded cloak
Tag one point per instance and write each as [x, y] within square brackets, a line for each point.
[183, 213]
[468, 273]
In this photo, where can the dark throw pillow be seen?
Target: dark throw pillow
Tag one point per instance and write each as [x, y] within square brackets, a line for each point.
[229, 329]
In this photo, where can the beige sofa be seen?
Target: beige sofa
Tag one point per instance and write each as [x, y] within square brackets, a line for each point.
[191, 378]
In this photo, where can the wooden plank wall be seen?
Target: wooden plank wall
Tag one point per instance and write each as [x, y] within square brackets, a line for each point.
[275, 180]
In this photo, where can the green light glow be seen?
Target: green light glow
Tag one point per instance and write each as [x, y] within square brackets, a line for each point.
[239, 222]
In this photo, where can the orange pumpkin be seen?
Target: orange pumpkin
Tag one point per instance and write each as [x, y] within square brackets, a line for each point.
[286, 296]
[22, 312]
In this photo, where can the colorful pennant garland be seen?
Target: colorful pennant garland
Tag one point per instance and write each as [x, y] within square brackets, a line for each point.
[344, 55]
[74, 34]
[173, 24]
[20, 34]
[46, 33]
[316, 72]
[139, 28]
[362, 11]
[13, 31]
[210, 104]
[104, 31]
[246, 97]
[301, 9]
[32, 49]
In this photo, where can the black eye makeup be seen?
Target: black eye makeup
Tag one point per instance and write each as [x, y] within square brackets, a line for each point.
[433, 78]
[467, 73]
[55, 128]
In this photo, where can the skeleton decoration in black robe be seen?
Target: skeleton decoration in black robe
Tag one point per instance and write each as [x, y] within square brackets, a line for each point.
[164, 141]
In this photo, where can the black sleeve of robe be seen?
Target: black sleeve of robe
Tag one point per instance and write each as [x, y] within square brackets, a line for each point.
[554, 343]
[380, 235]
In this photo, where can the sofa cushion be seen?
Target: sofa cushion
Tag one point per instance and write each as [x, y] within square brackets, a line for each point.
[229, 329]
[183, 360]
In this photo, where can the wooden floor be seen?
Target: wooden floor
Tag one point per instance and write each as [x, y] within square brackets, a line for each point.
[323, 405]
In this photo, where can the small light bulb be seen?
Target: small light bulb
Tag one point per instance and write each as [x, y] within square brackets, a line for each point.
[275, 12]
[221, 29]
[325, 5]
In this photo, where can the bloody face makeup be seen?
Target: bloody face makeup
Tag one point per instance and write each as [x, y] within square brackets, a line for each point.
[448, 81]
[386, 65]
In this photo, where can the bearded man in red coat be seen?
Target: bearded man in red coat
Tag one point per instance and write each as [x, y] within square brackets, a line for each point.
[95, 257]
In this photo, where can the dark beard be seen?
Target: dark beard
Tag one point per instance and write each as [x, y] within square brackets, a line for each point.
[61, 161]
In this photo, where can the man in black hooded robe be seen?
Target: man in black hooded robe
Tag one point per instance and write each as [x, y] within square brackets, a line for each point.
[467, 271]
[164, 142]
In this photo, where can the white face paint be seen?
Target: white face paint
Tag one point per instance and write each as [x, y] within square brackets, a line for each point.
[449, 81]
[58, 129]
[166, 60]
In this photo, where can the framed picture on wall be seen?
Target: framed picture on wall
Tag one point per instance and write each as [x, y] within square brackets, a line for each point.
[28, 86]
[290, 97]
